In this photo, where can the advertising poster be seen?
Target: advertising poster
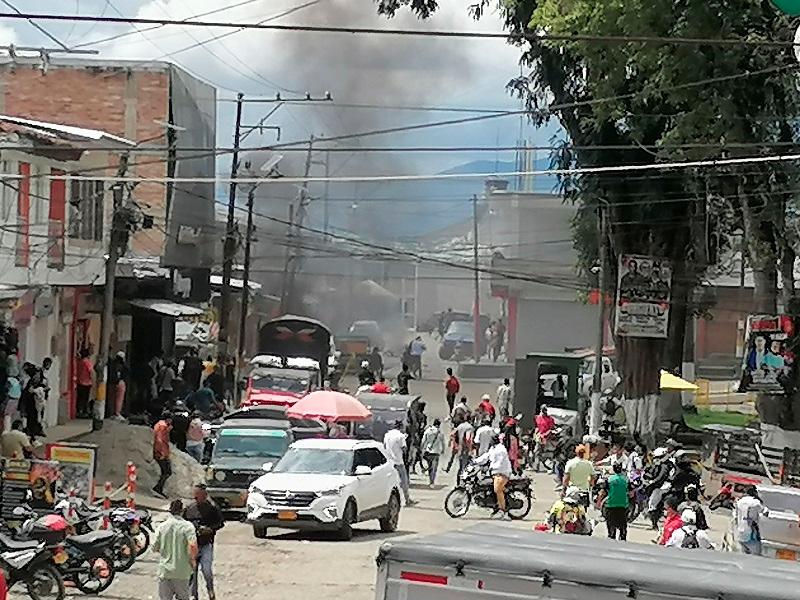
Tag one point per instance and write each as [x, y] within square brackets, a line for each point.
[77, 463]
[643, 296]
[767, 359]
[44, 476]
[16, 484]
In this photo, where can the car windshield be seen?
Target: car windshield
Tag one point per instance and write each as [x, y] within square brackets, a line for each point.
[278, 383]
[460, 328]
[316, 460]
[251, 443]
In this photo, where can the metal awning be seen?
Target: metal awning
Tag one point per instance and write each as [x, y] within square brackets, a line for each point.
[170, 309]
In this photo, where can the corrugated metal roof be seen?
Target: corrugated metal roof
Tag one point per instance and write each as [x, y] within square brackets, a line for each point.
[57, 132]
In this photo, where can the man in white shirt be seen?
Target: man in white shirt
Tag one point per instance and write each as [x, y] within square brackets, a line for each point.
[395, 443]
[504, 398]
[500, 467]
[747, 512]
[689, 536]
[483, 437]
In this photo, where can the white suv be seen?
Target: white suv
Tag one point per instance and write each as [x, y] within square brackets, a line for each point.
[326, 484]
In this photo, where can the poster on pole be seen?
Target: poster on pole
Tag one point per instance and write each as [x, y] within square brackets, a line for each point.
[643, 296]
[78, 463]
[767, 360]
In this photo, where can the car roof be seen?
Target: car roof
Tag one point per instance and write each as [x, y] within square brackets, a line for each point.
[255, 424]
[336, 444]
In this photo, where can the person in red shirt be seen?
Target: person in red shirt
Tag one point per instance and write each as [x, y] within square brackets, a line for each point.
[381, 387]
[452, 386]
[161, 452]
[672, 521]
[85, 380]
[486, 407]
[544, 422]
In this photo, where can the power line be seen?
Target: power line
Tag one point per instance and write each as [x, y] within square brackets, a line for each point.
[537, 36]
[41, 29]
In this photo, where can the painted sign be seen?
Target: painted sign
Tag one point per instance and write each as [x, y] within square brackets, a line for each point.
[643, 296]
[767, 358]
[78, 463]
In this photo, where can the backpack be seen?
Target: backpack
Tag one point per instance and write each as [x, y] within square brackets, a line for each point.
[690, 539]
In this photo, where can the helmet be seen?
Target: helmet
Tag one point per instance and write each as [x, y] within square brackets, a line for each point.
[486, 397]
[572, 495]
[660, 452]
[689, 517]
[364, 364]
[590, 439]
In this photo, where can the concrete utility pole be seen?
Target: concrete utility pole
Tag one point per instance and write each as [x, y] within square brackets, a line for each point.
[595, 418]
[476, 308]
[118, 243]
[229, 253]
[288, 260]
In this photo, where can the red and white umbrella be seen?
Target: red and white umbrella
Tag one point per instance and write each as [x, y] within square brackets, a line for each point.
[330, 406]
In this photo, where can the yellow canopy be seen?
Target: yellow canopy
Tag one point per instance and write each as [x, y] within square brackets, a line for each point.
[673, 382]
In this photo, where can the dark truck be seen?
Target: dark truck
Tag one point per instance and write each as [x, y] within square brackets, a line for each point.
[244, 446]
[291, 336]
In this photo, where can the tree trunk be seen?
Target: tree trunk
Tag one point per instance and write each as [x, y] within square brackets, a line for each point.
[639, 363]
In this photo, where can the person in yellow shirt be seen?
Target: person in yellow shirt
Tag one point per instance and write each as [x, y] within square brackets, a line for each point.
[15, 443]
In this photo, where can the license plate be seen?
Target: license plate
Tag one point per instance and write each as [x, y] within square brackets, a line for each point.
[287, 515]
[786, 554]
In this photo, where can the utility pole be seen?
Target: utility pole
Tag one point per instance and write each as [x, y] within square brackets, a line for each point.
[117, 245]
[229, 253]
[293, 262]
[326, 216]
[246, 275]
[597, 383]
[287, 261]
[476, 309]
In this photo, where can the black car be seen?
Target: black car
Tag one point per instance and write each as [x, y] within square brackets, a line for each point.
[386, 410]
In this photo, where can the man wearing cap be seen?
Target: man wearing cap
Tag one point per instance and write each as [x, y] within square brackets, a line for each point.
[395, 443]
[207, 520]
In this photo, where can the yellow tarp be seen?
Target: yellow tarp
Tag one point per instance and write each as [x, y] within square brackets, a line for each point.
[673, 382]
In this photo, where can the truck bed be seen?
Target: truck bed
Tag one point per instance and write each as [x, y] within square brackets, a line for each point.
[490, 561]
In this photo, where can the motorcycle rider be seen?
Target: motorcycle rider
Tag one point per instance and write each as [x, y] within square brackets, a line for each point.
[579, 472]
[500, 468]
[567, 514]
[658, 476]
[545, 424]
[690, 535]
[692, 503]
[485, 409]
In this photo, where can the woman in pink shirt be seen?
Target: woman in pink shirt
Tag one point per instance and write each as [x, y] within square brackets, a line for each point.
[85, 381]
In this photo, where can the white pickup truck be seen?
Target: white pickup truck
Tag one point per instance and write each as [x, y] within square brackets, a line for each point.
[497, 562]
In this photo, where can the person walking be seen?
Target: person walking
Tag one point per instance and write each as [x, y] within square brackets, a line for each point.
[484, 436]
[165, 383]
[500, 467]
[395, 444]
[617, 489]
[402, 380]
[195, 437]
[176, 543]
[451, 386]
[432, 448]
[504, 398]
[465, 436]
[85, 380]
[207, 520]
[747, 511]
[161, 452]
[118, 377]
[416, 349]
[192, 370]
[376, 362]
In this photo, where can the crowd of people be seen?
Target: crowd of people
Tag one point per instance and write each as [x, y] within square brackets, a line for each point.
[24, 392]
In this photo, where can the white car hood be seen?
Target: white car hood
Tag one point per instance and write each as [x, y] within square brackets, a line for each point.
[300, 482]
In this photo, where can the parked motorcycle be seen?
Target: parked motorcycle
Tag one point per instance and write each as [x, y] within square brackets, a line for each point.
[30, 563]
[476, 484]
[87, 560]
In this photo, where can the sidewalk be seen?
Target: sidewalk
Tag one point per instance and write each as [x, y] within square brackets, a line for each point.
[69, 430]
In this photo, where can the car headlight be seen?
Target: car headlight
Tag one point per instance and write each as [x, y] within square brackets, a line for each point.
[220, 476]
[331, 492]
[255, 498]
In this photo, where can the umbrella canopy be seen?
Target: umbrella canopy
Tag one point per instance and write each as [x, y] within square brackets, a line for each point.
[675, 383]
[329, 406]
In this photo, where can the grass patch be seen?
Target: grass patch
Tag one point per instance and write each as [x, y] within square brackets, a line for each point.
[712, 417]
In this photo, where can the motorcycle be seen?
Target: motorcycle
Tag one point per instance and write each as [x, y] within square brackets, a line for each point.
[476, 484]
[87, 560]
[31, 564]
[542, 454]
[639, 498]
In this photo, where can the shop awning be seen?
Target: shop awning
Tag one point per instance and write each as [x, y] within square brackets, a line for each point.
[170, 309]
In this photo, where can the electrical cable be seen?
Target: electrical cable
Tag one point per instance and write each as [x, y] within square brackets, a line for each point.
[41, 29]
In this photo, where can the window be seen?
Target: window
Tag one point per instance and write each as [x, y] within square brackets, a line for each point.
[86, 202]
[370, 457]
[8, 194]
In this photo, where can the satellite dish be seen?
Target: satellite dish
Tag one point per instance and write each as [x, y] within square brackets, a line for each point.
[260, 163]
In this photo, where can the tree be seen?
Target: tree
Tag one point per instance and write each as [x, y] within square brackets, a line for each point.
[646, 102]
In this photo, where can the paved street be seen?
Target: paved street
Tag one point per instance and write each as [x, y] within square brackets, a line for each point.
[298, 566]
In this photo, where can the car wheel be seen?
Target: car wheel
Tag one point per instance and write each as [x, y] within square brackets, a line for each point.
[348, 518]
[389, 522]
[260, 531]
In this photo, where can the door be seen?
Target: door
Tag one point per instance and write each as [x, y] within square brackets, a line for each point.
[369, 490]
[383, 472]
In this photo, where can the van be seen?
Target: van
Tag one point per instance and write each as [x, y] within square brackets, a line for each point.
[500, 562]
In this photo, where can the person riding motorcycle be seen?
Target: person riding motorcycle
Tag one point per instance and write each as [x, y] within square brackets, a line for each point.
[365, 375]
[567, 515]
[500, 468]
[543, 434]
[657, 477]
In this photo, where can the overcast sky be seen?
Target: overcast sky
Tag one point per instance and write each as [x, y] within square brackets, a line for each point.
[354, 68]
